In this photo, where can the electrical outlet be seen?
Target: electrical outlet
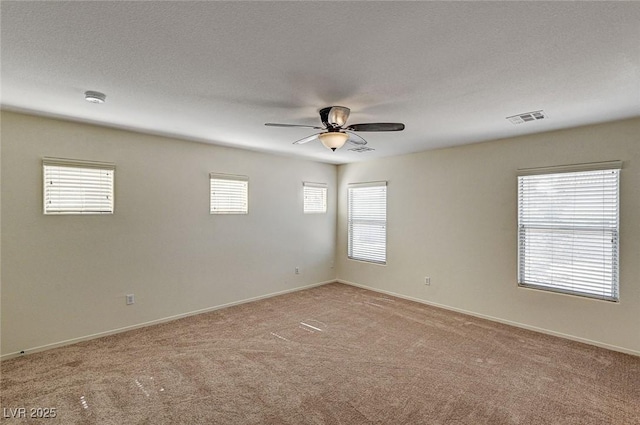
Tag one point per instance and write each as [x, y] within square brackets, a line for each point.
[297, 270]
[131, 299]
[427, 281]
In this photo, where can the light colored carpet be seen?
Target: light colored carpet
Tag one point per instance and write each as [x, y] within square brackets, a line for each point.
[329, 355]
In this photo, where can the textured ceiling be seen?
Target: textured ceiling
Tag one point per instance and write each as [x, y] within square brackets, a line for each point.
[217, 71]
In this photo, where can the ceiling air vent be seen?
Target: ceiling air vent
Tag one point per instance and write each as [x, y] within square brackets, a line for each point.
[527, 116]
[361, 149]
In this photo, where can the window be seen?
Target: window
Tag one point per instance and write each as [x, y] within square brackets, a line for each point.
[367, 222]
[229, 194]
[315, 197]
[77, 187]
[568, 229]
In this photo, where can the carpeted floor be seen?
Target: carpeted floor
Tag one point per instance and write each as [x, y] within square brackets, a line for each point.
[329, 355]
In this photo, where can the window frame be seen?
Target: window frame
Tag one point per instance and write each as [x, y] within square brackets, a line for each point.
[368, 256]
[550, 222]
[308, 208]
[229, 178]
[81, 208]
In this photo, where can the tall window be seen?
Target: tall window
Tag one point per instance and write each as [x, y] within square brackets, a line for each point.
[229, 194]
[367, 222]
[568, 229]
[315, 197]
[77, 187]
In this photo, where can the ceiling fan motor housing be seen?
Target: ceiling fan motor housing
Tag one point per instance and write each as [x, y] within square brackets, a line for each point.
[334, 116]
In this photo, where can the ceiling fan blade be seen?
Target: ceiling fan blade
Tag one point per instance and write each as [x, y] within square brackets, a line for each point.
[272, 124]
[354, 139]
[306, 139]
[377, 126]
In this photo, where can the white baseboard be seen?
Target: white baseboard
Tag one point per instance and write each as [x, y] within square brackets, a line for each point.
[157, 321]
[497, 319]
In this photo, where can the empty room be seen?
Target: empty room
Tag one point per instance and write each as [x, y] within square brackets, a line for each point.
[234, 212]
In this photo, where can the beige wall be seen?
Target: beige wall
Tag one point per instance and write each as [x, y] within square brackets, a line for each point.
[451, 212]
[65, 277]
[452, 216]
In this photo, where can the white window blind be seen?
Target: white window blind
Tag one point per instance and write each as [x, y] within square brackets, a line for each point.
[229, 194]
[315, 197]
[77, 187]
[367, 222]
[568, 230]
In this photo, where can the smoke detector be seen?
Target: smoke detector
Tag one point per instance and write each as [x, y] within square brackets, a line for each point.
[94, 96]
[527, 117]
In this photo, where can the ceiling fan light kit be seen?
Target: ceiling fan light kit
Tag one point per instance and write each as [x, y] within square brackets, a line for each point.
[336, 135]
[333, 140]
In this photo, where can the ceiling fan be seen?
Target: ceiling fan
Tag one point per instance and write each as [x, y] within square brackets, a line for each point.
[336, 134]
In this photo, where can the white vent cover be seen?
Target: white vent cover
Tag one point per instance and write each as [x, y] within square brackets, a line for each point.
[527, 116]
[361, 149]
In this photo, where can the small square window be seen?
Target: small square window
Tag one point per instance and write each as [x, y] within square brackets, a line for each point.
[77, 187]
[229, 194]
[315, 198]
